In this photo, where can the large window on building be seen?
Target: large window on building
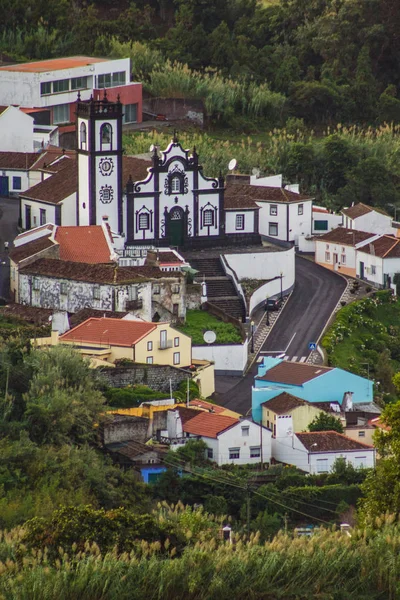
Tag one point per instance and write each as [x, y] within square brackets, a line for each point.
[322, 465]
[62, 85]
[273, 229]
[104, 81]
[106, 137]
[118, 78]
[273, 209]
[177, 358]
[321, 225]
[234, 453]
[17, 183]
[42, 216]
[45, 88]
[61, 114]
[144, 221]
[130, 113]
[79, 83]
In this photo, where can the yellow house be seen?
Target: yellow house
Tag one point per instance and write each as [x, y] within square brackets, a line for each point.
[138, 341]
[276, 413]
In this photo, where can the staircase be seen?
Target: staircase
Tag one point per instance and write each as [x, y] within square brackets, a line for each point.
[220, 290]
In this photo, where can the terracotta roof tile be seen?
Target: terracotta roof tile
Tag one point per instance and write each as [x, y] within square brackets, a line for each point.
[347, 237]
[294, 373]
[168, 258]
[134, 167]
[386, 246]
[85, 244]
[360, 209]
[116, 332]
[238, 195]
[208, 424]
[87, 313]
[30, 249]
[213, 408]
[56, 188]
[92, 273]
[284, 403]
[330, 441]
[54, 64]
[186, 413]
[30, 314]
[22, 161]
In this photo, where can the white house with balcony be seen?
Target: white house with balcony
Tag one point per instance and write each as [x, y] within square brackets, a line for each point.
[50, 87]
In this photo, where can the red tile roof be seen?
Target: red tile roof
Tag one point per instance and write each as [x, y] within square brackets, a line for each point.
[87, 313]
[294, 373]
[54, 64]
[84, 244]
[92, 273]
[330, 441]
[347, 237]
[168, 258]
[22, 161]
[56, 188]
[360, 209]
[115, 332]
[284, 403]
[386, 246]
[135, 168]
[208, 424]
[239, 195]
[213, 408]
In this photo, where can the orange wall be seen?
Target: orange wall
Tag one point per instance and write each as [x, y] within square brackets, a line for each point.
[351, 272]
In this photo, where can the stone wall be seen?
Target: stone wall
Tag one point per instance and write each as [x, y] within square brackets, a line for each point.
[193, 296]
[157, 377]
[125, 428]
[175, 109]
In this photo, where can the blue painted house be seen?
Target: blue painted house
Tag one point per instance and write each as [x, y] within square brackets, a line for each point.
[313, 383]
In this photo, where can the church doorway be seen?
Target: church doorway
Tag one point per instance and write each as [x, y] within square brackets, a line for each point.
[176, 226]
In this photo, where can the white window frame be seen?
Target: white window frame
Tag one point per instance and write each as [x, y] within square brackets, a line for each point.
[245, 430]
[149, 346]
[149, 360]
[343, 259]
[240, 222]
[177, 358]
[300, 209]
[271, 227]
[373, 269]
[144, 221]
[234, 453]
[327, 257]
[273, 210]
[175, 184]
[176, 342]
[322, 465]
[255, 451]
[96, 292]
[64, 118]
[208, 218]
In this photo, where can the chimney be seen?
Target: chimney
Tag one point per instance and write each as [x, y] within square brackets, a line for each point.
[347, 404]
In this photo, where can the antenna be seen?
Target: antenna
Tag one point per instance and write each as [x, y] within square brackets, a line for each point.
[232, 164]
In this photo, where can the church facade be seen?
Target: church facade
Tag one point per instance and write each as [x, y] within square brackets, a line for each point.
[175, 205]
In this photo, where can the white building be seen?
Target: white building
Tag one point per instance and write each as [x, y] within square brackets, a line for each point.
[316, 452]
[20, 134]
[367, 218]
[379, 260]
[51, 87]
[229, 440]
[337, 249]
[324, 220]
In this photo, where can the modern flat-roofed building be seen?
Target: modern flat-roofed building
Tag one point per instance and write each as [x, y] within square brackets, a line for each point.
[50, 87]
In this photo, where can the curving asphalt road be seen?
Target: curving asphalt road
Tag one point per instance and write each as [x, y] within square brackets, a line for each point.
[316, 293]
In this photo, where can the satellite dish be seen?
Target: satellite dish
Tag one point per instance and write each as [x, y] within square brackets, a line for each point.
[152, 148]
[255, 172]
[209, 337]
[232, 164]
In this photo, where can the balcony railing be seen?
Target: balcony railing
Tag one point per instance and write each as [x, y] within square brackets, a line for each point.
[165, 345]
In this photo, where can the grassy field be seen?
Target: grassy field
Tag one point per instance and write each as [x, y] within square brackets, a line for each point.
[199, 321]
[364, 333]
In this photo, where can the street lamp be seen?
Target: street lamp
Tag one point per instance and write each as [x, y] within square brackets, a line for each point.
[281, 276]
[267, 309]
[252, 337]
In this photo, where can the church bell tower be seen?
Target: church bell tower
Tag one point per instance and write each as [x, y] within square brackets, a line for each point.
[99, 152]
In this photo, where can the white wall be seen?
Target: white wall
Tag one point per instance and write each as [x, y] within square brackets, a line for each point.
[35, 212]
[333, 220]
[23, 88]
[373, 222]
[291, 451]
[306, 244]
[265, 218]
[229, 358]
[390, 266]
[264, 265]
[16, 131]
[349, 252]
[68, 210]
[230, 221]
[234, 438]
[271, 181]
[299, 224]
[288, 211]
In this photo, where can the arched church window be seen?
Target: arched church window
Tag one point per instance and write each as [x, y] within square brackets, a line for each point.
[208, 218]
[106, 136]
[176, 184]
[83, 134]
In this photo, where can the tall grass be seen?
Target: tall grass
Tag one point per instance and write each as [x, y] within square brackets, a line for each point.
[330, 565]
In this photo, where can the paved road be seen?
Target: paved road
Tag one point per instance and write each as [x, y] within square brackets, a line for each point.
[303, 318]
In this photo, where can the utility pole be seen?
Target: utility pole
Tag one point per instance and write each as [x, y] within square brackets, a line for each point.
[248, 509]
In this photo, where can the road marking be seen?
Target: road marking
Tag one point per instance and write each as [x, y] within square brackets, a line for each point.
[293, 336]
[286, 358]
[303, 359]
[259, 359]
[294, 358]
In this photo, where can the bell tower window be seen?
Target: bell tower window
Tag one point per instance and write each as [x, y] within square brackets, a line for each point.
[106, 137]
[83, 134]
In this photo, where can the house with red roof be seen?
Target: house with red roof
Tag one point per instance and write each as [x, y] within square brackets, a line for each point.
[229, 440]
[138, 341]
[378, 260]
[316, 452]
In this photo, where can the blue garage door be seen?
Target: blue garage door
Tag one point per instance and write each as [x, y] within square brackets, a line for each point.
[4, 186]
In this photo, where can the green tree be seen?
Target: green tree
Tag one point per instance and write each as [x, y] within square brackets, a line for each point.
[326, 422]
[62, 403]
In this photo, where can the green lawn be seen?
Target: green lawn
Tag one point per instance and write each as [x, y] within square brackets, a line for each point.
[199, 321]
